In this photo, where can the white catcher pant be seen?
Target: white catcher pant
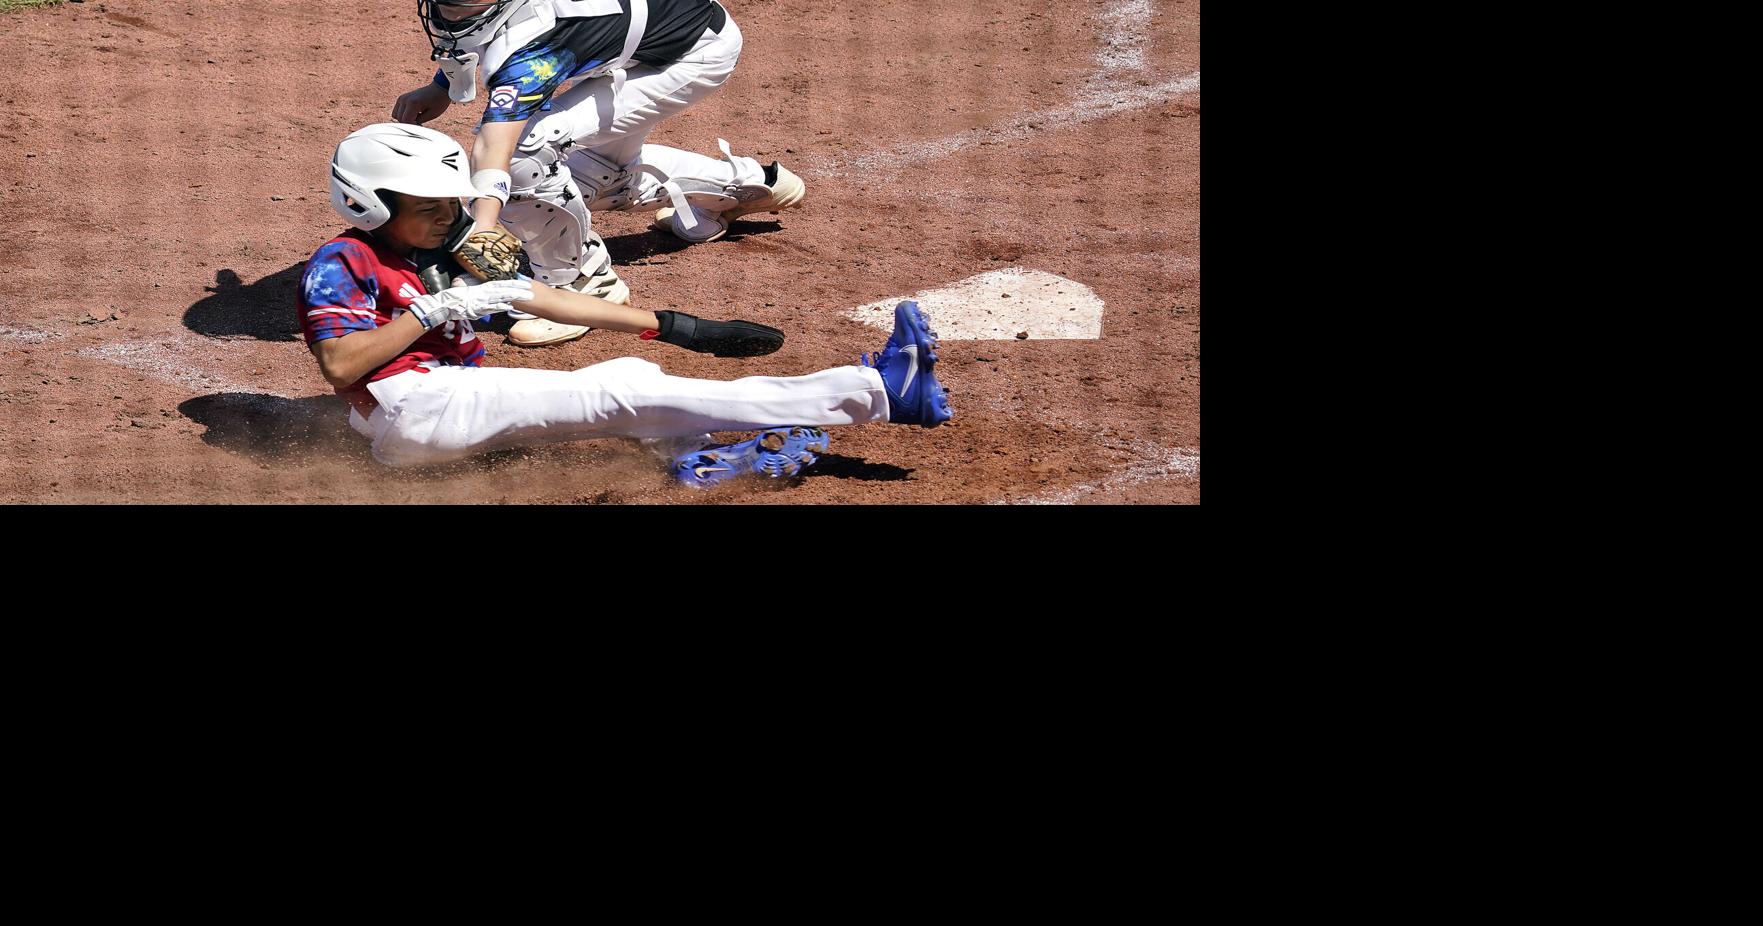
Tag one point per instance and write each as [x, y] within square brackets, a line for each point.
[450, 413]
[615, 129]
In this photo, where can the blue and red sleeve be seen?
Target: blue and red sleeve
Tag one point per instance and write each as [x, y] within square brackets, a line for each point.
[339, 291]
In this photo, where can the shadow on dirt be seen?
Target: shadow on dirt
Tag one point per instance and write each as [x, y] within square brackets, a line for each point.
[265, 310]
[315, 429]
[839, 467]
[750, 227]
[271, 429]
[638, 247]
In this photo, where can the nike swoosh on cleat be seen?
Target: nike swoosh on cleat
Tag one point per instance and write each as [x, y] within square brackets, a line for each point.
[699, 471]
[911, 352]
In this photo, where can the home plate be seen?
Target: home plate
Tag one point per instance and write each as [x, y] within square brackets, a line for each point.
[998, 305]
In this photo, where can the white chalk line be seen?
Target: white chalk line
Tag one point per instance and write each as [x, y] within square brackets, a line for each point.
[1090, 106]
[1125, 27]
[26, 335]
[1155, 462]
[159, 359]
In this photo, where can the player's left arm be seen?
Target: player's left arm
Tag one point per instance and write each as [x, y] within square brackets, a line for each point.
[706, 336]
[573, 308]
[341, 292]
[519, 92]
[344, 360]
[494, 151]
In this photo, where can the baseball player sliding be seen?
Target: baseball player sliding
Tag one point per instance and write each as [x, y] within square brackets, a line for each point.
[405, 358]
[545, 160]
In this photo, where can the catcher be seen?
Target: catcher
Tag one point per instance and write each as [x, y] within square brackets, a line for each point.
[545, 159]
[390, 325]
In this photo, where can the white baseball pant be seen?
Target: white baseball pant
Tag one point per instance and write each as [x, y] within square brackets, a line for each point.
[450, 413]
[615, 128]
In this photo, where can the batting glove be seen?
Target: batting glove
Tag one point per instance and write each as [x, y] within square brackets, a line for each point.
[467, 303]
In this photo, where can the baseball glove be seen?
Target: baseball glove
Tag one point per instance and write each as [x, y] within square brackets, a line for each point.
[490, 254]
[721, 339]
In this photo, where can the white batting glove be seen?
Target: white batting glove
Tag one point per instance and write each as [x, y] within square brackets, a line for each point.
[468, 303]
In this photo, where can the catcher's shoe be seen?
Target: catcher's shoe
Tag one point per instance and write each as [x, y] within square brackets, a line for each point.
[784, 189]
[914, 395]
[533, 331]
[775, 452]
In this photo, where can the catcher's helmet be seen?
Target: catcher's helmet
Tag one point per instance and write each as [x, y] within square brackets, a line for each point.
[393, 156]
[483, 18]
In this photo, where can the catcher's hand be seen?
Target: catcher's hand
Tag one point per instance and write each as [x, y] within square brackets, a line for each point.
[490, 254]
[722, 339]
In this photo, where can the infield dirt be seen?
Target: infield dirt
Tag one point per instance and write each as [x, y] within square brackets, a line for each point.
[164, 178]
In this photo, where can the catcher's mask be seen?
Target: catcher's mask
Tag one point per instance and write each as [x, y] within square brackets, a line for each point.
[483, 19]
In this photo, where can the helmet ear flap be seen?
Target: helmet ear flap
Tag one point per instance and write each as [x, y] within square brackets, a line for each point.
[389, 199]
[360, 207]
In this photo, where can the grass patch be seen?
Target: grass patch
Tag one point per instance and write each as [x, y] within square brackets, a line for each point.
[7, 6]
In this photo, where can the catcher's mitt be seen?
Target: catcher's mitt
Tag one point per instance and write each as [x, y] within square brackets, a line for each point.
[490, 254]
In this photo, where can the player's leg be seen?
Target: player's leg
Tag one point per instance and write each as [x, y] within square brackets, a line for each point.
[588, 115]
[704, 194]
[602, 137]
[455, 412]
[906, 366]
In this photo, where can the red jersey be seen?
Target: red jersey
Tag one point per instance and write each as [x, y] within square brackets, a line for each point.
[355, 283]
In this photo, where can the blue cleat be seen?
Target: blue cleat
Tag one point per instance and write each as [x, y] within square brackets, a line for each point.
[914, 395]
[776, 453]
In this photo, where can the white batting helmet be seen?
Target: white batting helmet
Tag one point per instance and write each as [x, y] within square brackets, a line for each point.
[409, 159]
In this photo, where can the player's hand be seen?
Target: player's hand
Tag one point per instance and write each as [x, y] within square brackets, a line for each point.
[419, 106]
[468, 303]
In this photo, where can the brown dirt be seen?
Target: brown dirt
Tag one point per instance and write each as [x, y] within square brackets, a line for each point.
[166, 196]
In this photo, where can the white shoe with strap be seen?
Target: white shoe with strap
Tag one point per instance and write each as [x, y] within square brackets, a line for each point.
[781, 189]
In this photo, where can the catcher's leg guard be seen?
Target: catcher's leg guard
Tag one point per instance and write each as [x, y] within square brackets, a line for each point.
[603, 183]
[737, 187]
[549, 212]
[607, 186]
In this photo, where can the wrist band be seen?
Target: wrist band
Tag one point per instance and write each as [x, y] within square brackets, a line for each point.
[492, 183]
